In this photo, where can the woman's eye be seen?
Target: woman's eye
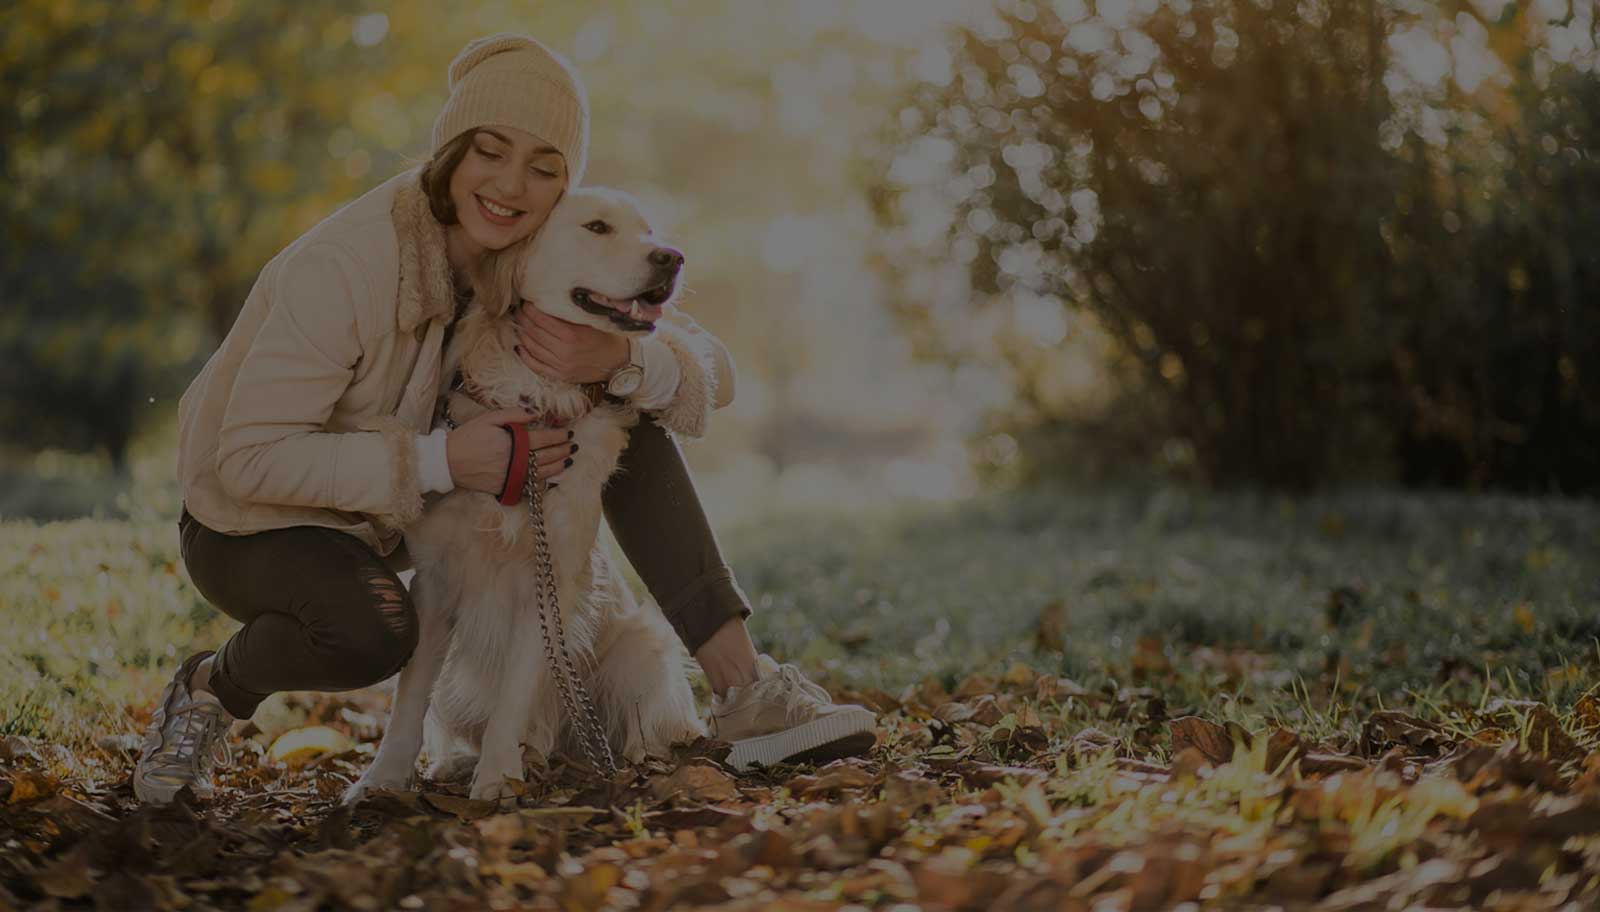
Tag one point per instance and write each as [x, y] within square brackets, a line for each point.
[544, 171]
[598, 227]
[487, 154]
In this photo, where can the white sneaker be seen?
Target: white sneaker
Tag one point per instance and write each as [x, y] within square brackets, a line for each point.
[187, 735]
[782, 716]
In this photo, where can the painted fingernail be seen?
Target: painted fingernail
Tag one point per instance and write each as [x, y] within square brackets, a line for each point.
[517, 349]
[574, 448]
[552, 486]
[569, 435]
[567, 464]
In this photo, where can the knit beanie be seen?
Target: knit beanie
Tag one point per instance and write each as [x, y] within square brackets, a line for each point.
[515, 81]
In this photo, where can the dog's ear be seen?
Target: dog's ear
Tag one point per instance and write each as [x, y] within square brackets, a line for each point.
[499, 278]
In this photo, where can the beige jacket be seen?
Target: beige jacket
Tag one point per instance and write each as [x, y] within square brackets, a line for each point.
[307, 413]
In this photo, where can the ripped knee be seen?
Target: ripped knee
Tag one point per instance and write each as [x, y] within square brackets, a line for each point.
[397, 619]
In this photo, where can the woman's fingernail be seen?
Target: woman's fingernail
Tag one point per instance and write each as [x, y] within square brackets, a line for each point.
[574, 448]
[517, 349]
[569, 435]
[568, 463]
[551, 486]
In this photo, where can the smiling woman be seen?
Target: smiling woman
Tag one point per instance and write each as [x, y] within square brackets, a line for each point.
[499, 183]
[306, 444]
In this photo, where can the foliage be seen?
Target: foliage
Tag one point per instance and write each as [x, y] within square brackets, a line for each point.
[1502, 264]
[1266, 728]
[150, 170]
[1304, 272]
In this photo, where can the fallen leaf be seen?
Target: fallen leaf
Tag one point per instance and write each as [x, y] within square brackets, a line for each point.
[1386, 728]
[699, 780]
[27, 785]
[463, 808]
[296, 748]
[1207, 737]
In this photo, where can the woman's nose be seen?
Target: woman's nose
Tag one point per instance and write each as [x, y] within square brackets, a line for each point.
[511, 182]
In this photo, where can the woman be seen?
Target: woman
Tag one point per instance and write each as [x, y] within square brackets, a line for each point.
[305, 448]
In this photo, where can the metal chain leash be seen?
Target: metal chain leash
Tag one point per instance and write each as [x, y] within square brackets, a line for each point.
[580, 709]
[585, 719]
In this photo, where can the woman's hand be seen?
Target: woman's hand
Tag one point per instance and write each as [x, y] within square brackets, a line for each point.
[479, 451]
[572, 352]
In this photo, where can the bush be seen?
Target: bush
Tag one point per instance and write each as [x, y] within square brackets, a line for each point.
[1293, 257]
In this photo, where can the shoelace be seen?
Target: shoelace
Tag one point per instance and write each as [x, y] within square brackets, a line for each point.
[182, 751]
[790, 679]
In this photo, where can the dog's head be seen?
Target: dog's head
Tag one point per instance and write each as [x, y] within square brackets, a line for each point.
[597, 262]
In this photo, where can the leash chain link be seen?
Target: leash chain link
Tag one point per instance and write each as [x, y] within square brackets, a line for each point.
[585, 719]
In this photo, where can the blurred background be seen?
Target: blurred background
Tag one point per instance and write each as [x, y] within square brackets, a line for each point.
[952, 244]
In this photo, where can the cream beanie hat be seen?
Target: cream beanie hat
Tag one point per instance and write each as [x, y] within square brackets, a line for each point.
[515, 81]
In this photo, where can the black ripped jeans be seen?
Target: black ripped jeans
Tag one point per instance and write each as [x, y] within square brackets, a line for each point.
[322, 611]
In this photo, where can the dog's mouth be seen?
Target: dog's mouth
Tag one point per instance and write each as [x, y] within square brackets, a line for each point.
[638, 313]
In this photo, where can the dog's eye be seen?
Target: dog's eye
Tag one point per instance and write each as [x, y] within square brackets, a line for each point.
[598, 227]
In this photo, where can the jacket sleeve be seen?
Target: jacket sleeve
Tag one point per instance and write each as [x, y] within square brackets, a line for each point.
[706, 375]
[272, 447]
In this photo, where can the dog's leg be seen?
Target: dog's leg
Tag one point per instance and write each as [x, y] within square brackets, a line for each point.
[524, 678]
[450, 757]
[395, 764]
[642, 680]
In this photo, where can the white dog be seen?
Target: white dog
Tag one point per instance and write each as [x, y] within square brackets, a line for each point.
[479, 684]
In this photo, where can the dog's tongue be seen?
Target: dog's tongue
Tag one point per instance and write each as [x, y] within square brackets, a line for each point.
[634, 308]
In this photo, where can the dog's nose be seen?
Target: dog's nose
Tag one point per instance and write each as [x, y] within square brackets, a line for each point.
[667, 258]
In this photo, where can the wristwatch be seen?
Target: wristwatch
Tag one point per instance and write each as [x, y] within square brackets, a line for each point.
[625, 380]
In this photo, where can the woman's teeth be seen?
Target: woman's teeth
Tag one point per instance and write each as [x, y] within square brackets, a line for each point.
[498, 209]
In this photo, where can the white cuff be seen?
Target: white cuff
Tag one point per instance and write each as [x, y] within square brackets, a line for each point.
[661, 375]
[433, 463]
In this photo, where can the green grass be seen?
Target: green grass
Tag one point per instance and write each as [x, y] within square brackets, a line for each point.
[1400, 597]
[1301, 610]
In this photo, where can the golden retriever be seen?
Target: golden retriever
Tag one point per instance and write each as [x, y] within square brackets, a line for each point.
[479, 685]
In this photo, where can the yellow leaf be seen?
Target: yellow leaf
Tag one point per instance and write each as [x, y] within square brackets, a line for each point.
[301, 746]
[1523, 615]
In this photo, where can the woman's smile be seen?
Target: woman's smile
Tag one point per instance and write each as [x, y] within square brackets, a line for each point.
[496, 213]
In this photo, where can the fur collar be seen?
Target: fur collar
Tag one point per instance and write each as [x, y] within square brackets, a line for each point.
[426, 292]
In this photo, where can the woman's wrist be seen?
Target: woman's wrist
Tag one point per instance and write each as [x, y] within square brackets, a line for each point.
[661, 375]
[433, 463]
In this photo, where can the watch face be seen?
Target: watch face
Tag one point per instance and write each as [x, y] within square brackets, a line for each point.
[626, 381]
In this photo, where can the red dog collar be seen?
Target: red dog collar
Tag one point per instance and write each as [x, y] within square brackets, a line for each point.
[517, 469]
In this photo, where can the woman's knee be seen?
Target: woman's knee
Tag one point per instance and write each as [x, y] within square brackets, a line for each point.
[378, 641]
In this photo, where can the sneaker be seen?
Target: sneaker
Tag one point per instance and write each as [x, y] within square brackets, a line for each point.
[187, 735]
[781, 716]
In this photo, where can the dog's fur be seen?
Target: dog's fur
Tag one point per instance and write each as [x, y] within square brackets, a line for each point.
[479, 684]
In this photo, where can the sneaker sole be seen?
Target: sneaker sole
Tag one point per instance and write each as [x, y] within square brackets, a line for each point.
[152, 793]
[841, 734]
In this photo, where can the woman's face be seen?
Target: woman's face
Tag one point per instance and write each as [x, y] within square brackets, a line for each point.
[505, 186]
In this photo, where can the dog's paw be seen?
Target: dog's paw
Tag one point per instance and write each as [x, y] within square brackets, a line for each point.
[373, 781]
[453, 768]
[502, 788]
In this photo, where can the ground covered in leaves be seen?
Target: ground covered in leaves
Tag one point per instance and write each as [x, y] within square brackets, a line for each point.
[1001, 794]
[1131, 703]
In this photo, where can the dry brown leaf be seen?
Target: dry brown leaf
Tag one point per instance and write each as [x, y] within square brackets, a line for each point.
[698, 780]
[1190, 762]
[1205, 736]
[27, 785]
[1387, 728]
[464, 808]
[837, 776]
[1323, 764]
